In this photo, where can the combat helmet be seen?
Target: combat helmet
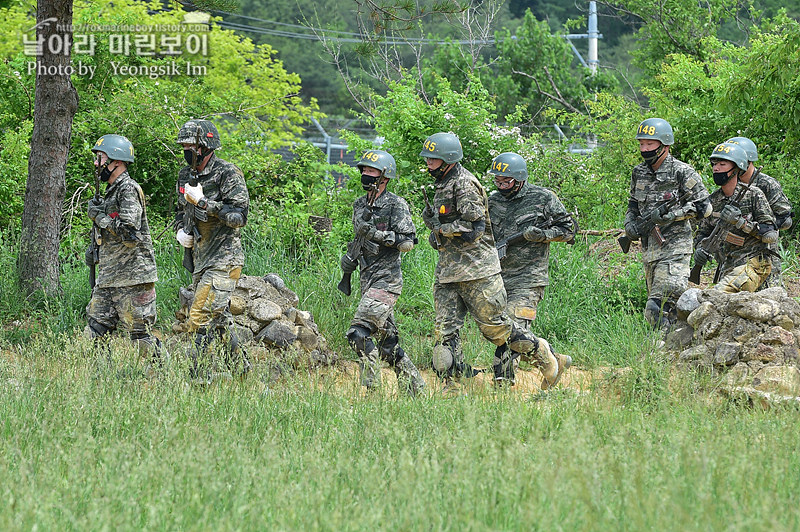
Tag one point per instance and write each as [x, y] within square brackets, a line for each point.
[748, 145]
[116, 147]
[656, 129]
[728, 151]
[510, 164]
[203, 130]
[381, 161]
[444, 146]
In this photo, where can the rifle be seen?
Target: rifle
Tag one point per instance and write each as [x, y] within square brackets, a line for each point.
[516, 238]
[430, 208]
[94, 235]
[191, 214]
[713, 242]
[355, 248]
[645, 223]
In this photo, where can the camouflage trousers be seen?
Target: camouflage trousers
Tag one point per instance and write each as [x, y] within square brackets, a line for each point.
[375, 317]
[774, 278]
[747, 277]
[130, 308]
[523, 303]
[667, 278]
[213, 288]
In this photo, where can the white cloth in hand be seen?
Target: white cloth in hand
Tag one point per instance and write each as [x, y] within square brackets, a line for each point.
[185, 239]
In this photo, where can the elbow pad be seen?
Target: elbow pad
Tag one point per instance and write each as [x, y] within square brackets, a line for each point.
[785, 222]
[702, 208]
[767, 233]
[478, 228]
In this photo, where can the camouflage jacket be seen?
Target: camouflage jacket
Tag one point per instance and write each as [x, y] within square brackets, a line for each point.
[738, 246]
[380, 263]
[647, 191]
[219, 242]
[778, 202]
[526, 263]
[461, 200]
[126, 248]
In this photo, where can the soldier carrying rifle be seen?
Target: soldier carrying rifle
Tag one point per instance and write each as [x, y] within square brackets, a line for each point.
[666, 263]
[124, 293]
[383, 228]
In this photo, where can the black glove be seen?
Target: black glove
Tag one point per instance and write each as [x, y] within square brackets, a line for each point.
[432, 240]
[478, 228]
[348, 265]
[702, 256]
[431, 219]
[632, 230]
[367, 231]
[732, 215]
[95, 207]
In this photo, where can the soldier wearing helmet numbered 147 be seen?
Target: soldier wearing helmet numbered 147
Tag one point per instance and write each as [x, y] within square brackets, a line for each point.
[778, 202]
[750, 228]
[525, 219]
[125, 291]
[384, 230]
[657, 179]
[213, 204]
[468, 271]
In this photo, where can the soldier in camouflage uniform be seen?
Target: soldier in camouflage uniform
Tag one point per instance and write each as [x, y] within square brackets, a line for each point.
[125, 291]
[778, 202]
[525, 219]
[209, 221]
[468, 272]
[743, 257]
[666, 265]
[382, 224]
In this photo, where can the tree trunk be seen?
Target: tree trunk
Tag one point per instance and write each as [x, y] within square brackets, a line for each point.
[56, 102]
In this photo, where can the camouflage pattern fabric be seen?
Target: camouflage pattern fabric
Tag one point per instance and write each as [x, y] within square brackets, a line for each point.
[523, 304]
[460, 199]
[219, 244]
[127, 257]
[526, 263]
[484, 298]
[213, 288]
[381, 281]
[747, 277]
[667, 278]
[381, 268]
[781, 208]
[131, 308]
[755, 208]
[647, 191]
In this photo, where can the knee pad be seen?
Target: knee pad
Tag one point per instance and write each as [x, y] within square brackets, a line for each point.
[521, 341]
[652, 310]
[359, 340]
[97, 329]
[390, 351]
[442, 360]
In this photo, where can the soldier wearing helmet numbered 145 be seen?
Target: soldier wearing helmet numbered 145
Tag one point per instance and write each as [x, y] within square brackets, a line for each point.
[778, 202]
[750, 228]
[468, 270]
[213, 204]
[124, 293]
[525, 219]
[657, 179]
[384, 230]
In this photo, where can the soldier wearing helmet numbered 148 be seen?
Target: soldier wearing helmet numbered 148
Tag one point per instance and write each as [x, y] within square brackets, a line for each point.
[525, 219]
[778, 202]
[125, 291]
[384, 230]
[213, 204]
[468, 271]
[659, 178]
[750, 228]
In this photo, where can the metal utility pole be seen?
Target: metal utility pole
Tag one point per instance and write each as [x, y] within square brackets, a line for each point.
[593, 37]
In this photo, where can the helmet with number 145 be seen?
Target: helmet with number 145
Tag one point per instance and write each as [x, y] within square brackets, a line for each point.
[444, 146]
[656, 129]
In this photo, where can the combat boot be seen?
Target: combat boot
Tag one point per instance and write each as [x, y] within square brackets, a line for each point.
[551, 364]
[409, 379]
[503, 366]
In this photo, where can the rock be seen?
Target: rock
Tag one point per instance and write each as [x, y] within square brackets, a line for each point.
[302, 317]
[243, 334]
[688, 302]
[783, 321]
[727, 353]
[744, 330]
[253, 286]
[762, 352]
[699, 315]
[264, 310]
[777, 336]
[238, 305]
[695, 353]
[308, 338]
[783, 380]
[776, 293]
[279, 333]
[752, 307]
[739, 375]
[680, 337]
[276, 282]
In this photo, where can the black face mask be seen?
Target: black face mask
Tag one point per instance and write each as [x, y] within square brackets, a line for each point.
[368, 182]
[189, 155]
[438, 173]
[105, 174]
[720, 178]
[651, 156]
[510, 192]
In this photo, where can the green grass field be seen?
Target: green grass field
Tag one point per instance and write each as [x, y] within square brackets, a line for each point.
[87, 445]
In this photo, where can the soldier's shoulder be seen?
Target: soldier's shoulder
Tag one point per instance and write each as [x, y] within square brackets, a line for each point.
[770, 181]
[395, 199]
[226, 168]
[681, 167]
